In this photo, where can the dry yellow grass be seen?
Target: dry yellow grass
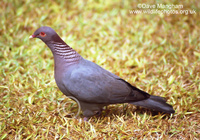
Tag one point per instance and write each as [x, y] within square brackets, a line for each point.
[157, 53]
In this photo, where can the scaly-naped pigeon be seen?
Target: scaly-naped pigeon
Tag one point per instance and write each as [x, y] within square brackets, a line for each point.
[91, 85]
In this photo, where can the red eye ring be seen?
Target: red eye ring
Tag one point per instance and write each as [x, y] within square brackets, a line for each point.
[42, 34]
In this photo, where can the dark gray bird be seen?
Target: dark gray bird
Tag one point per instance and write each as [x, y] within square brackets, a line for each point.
[91, 85]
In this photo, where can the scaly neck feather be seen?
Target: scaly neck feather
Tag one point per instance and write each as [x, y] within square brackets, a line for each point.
[65, 52]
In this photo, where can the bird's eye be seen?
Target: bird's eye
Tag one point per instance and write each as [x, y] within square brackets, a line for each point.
[42, 34]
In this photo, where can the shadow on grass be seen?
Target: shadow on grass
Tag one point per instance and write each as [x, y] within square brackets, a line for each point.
[126, 112]
[111, 111]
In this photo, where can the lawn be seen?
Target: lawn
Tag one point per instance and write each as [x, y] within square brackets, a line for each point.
[156, 52]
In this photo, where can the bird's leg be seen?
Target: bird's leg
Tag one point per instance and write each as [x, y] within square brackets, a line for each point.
[86, 119]
[98, 113]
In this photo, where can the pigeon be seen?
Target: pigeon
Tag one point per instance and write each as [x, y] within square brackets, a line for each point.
[90, 85]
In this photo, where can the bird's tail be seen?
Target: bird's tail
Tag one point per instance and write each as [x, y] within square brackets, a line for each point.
[155, 103]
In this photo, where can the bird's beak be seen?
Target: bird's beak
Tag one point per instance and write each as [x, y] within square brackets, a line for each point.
[32, 36]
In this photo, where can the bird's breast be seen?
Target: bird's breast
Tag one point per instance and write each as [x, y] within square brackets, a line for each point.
[61, 75]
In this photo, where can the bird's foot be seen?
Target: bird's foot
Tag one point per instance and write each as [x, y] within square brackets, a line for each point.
[85, 119]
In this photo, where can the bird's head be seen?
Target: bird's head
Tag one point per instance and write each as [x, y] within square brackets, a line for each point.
[46, 34]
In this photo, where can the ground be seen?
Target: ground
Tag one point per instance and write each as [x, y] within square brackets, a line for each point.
[156, 52]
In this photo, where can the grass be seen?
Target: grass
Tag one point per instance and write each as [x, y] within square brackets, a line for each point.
[157, 53]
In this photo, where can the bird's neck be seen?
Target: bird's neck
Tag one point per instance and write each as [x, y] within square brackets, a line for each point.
[64, 53]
